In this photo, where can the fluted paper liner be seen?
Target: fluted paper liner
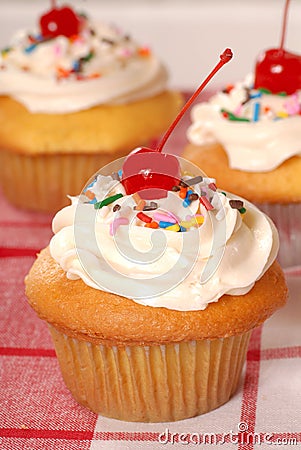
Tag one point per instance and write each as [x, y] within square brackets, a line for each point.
[155, 383]
[287, 219]
[42, 182]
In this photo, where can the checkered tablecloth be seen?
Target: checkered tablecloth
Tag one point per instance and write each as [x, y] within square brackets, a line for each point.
[38, 412]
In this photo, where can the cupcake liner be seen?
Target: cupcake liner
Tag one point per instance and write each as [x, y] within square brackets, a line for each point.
[156, 383]
[287, 218]
[42, 182]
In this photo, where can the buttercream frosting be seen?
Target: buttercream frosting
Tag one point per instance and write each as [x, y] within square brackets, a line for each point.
[59, 75]
[224, 248]
[258, 130]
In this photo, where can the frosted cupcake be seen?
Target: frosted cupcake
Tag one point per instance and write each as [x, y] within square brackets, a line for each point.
[249, 137]
[151, 302]
[251, 140]
[74, 96]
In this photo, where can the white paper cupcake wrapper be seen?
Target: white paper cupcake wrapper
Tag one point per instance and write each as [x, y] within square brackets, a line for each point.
[156, 383]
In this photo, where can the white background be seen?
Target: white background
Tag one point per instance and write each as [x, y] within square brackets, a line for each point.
[188, 35]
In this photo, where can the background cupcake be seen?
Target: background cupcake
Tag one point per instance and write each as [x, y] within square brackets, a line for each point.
[248, 135]
[75, 95]
[250, 139]
[163, 338]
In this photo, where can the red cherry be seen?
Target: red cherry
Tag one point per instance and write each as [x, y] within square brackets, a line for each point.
[60, 22]
[152, 173]
[277, 69]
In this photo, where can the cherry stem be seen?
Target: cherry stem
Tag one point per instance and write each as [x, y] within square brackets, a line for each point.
[284, 23]
[224, 58]
[53, 4]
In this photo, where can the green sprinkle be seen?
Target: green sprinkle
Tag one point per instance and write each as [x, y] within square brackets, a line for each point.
[242, 210]
[107, 201]
[264, 90]
[233, 117]
[88, 57]
[282, 94]
[224, 193]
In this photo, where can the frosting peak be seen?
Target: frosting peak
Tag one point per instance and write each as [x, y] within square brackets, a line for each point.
[63, 74]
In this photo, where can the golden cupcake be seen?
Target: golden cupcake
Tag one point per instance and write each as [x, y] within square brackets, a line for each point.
[249, 138]
[74, 95]
[151, 302]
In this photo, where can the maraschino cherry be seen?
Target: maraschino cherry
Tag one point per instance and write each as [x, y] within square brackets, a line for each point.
[151, 172]
[59, 22]
[277, 69]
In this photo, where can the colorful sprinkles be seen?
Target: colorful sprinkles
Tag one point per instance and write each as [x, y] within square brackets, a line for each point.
[152, 216]
[73, 53]
[252, 109]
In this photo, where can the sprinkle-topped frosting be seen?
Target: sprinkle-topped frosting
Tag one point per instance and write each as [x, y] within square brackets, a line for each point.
[257, 129]
[59, 74]
[181, 252]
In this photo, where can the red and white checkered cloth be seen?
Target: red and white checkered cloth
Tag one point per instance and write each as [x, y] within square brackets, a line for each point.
[38, 412]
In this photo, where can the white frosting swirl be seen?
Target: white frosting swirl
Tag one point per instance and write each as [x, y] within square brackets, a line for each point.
[62, 75]
[253, 146]
[225, 255]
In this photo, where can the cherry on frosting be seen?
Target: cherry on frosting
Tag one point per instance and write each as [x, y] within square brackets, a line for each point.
[151, 172]
[59, 22]
[277, 69]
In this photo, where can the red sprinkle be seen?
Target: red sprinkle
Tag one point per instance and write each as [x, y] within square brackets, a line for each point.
[212, 186]
[204, 200]
[152, 225]
[144, 217]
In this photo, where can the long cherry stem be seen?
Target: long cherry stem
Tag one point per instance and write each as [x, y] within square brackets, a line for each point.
[53, 4]
[284, 23]
[224, 58]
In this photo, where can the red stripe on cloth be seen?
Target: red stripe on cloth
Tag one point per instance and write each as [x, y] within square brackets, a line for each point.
[6, 252]
[126, 436]
[250, 389]
[281, 353]
[12, 351]
[29, 433]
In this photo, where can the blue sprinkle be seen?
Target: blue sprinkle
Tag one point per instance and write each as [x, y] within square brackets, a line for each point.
[90, 185]
[256, 95]
[93, 201]
[120, 173]
[256, 111]
[182, 228]
[30, 48]
[186, 202]
[76, 66]
[163, 224]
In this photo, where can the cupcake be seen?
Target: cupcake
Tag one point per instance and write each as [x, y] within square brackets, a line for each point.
[74, 95]
[248, 136]
[151, 297]
[250, 139]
